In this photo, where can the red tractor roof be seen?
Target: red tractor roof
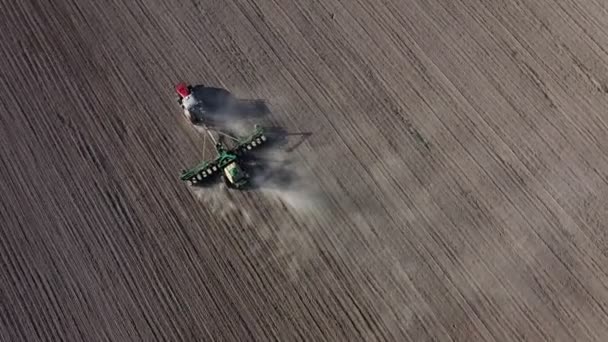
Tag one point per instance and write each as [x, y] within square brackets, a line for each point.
[182, 89]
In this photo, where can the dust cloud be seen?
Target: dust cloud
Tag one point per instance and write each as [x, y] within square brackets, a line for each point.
[280, 175]
[277, 175]
[218, 200]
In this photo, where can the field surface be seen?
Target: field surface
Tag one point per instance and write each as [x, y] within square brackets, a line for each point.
[442, 173]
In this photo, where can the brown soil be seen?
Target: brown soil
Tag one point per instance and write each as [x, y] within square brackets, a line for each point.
[452, 188]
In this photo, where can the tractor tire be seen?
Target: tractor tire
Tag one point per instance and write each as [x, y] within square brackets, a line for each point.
[193, 119]
[227, 182]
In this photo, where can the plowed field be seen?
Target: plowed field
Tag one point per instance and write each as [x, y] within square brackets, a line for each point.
[443, 172]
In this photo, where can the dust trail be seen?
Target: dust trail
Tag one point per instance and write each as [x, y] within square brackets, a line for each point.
[237, 128]
[234, 128]
[284, 179]
[281, 176]
[188, 114]
[218, 200]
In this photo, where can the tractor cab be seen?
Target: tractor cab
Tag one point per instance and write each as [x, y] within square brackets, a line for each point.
[184, 95]
[183, 90]
[234, 175]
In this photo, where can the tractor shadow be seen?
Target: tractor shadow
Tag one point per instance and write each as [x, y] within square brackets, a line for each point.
[222, 107]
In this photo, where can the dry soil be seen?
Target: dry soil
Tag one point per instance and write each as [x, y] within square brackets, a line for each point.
[445, 175]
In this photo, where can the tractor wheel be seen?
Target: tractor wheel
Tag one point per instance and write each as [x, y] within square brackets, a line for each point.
[227, 182]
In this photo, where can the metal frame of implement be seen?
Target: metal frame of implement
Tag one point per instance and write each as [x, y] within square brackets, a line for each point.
[207, 169]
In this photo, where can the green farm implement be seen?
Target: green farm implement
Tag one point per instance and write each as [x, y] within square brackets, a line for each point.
[226, 162]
